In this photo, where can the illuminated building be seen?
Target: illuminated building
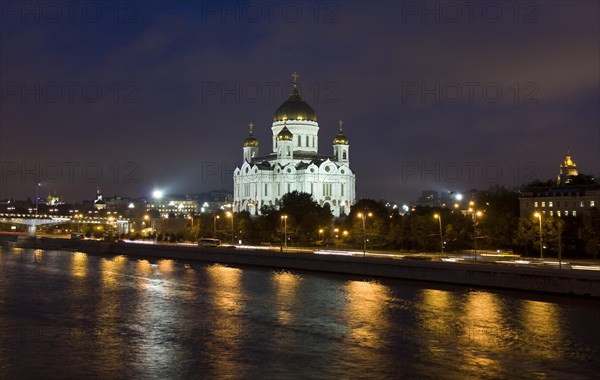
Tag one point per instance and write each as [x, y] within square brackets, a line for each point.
[567, 171]
[99, 203]
[564, 199]
[294, 163]
[170, 205]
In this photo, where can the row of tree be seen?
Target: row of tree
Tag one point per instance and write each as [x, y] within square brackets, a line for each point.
[497, 227]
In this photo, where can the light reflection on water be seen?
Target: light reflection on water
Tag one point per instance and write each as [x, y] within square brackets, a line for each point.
[130, 317]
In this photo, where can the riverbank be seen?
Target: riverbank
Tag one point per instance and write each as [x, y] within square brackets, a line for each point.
[566, 282]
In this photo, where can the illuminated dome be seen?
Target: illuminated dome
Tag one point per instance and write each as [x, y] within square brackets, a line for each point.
[285, 135]
[295, 108]
[250, 140]
[340, 138]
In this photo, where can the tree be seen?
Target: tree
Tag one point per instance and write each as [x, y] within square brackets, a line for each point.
[377, 223]
[304, 216]
[590, 233]
[526, 233]
[501, 219]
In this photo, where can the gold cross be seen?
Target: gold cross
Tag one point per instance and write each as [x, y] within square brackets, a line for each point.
[251, 127]
[341, 123]
[295, 77]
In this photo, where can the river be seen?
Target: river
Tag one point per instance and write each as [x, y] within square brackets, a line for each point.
[74, 315]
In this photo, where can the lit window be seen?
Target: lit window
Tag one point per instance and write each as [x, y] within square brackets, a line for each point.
[535, 204]
[551, 213]
[592, 203]
[566, 212]
[543, 204]
[558, 213]
[550, 204]
[574, 213]
[581, 204]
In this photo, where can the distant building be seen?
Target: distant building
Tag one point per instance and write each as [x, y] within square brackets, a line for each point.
[215, 200]
[294, 163]
[169, 205]
[564, 199]
[99, 203]
[53, 200]
[567, 171]
[560, 201]
[429, 198]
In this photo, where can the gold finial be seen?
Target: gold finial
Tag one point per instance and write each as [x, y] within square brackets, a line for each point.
[295, 78]
[341, 123]
[251, 127]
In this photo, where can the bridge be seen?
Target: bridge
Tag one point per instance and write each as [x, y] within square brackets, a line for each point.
[32, 221]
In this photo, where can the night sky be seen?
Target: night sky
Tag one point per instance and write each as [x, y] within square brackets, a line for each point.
[158, 94]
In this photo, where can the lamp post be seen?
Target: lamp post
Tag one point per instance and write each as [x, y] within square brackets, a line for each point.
[476, 214]
[215, 226]
[230, 215]
[439, 218]
[363, 216]
[37, 191]
[539, 216]
[321, 235]
[284, 218]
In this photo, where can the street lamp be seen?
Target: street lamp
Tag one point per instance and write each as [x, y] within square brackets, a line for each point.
[321, 235]
[539, 216]
[215, 225]
[284, 218]
[37, 191]
[475, 214]
[230, 215]
[363, 216]
[439, 218]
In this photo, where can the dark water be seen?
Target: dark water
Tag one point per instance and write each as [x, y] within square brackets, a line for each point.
[73, 315]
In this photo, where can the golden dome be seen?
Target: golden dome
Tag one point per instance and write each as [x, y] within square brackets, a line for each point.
[295, 108]
[340, 138]
[250, 140]
[285, 134]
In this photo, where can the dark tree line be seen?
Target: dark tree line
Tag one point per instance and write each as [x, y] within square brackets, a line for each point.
[497, 227]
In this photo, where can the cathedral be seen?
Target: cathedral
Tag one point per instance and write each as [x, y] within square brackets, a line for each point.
[294, 164]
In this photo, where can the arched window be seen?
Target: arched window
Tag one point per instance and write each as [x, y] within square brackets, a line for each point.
[343, 155]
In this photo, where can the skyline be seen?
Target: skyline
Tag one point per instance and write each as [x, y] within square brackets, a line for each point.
[180, 82]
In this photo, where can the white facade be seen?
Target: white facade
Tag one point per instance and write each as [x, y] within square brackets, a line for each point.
[294, 164]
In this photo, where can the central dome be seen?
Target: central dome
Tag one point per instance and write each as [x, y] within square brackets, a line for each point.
[295, 108]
